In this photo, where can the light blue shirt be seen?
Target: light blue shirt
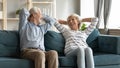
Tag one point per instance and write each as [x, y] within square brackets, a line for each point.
[32, 35]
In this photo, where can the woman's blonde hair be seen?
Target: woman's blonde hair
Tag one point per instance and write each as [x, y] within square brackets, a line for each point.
[77, 18]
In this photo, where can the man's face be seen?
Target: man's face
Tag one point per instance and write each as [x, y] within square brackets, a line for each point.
[39, 16]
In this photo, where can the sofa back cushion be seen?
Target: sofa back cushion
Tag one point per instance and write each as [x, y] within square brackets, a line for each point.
[92, 40]
[9, 43]
[54, 41]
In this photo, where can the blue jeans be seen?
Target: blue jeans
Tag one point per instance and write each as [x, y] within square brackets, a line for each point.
[84, 56]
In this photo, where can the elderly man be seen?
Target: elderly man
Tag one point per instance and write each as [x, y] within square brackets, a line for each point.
[32, 38]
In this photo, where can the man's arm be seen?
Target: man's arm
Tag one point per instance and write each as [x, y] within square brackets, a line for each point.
[23, 15]
[48, 23]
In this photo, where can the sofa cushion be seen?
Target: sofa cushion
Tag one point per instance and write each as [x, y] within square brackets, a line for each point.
[67, 61]
[9, 43]
[104, 59]
[92, 40]
[109, 44]
[100, 59]
[7, 62]
[54, 41]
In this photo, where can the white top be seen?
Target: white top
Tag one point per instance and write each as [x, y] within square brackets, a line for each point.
[76, 38]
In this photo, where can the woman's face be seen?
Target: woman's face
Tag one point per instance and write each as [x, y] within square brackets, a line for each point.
[73, 23]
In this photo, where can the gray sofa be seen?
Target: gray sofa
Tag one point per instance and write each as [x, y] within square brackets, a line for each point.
[106, 50]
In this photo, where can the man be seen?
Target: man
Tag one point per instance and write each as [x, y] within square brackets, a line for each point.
[32, 38]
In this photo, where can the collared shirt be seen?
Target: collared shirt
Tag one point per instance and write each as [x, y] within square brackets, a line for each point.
[31, 35]
[76, 38]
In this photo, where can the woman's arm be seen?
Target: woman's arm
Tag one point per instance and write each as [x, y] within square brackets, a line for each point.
[87, 20]
[92, 26]
[62, 22]
[60, 27]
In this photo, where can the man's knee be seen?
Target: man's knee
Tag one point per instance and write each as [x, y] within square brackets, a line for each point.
[40, 54]
[53, 52]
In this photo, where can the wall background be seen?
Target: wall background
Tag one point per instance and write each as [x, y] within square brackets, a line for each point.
[66, 7]
[63, 9]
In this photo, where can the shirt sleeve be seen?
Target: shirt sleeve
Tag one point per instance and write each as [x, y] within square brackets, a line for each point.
[91, 27]
[23, 15]
[60, 27]
[49, 21]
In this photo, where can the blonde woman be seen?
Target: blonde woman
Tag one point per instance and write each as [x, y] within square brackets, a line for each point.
[76, 40]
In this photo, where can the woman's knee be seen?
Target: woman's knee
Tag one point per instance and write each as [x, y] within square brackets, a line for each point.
[80, 49]
[88, 50]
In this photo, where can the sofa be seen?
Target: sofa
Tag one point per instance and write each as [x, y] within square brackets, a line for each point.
[106, 49]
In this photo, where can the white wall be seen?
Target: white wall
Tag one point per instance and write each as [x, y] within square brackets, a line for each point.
[66, 7]
[13, 5]
[63, 9]
[87, 8]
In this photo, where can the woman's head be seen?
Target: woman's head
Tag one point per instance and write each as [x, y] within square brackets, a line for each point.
[74, 21]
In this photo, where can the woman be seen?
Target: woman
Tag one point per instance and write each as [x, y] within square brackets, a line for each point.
[76, 40]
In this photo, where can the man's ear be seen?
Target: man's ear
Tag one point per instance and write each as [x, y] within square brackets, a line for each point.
[30, 17]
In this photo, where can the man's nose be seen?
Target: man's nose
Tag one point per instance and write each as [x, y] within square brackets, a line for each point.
[70, 20]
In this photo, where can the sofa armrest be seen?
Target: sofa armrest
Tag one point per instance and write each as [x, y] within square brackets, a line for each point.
[109, 44]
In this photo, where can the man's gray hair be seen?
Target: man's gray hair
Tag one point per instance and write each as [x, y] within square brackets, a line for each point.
[34, 10]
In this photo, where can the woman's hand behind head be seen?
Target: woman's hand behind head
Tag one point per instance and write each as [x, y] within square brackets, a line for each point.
[62, 21]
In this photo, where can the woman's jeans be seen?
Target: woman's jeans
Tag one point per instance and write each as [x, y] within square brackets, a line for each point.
[84, 56]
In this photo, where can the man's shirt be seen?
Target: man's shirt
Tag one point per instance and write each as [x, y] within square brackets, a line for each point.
[31, 35]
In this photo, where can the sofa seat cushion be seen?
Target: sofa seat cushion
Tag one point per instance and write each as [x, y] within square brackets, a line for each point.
[65, 61]
[106, 59]
[6, 62]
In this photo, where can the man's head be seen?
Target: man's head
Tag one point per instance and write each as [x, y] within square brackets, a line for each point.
[35, 15]
[74, 21]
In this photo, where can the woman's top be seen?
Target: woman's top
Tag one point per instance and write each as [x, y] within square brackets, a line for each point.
[76, 38]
